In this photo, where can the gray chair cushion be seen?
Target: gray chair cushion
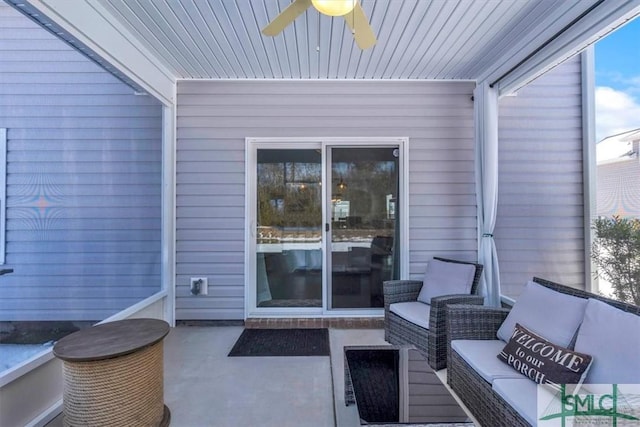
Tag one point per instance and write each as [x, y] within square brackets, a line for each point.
[446, 278]
[413, 311]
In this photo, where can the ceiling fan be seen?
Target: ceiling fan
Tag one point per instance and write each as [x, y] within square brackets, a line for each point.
[350, 10]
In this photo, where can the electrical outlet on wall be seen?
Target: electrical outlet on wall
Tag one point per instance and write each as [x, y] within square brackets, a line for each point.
[199, 286]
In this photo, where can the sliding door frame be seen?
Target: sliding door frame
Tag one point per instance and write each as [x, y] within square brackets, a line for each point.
[251, 147]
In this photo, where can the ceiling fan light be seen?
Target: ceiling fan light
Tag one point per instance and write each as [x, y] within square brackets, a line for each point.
[334, 7]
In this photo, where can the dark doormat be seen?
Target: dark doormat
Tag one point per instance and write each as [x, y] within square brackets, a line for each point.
[374, 375]
[282, 342]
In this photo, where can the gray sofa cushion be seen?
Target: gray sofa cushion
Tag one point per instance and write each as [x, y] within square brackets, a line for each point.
[446, 278]
[553, 315]
[413, 311]
[481, 356]
[521, 394]
[612, 337]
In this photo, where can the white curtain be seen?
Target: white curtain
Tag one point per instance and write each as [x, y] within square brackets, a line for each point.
[486, 119]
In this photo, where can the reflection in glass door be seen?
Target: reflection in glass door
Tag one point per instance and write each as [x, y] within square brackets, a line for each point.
[364, 207]
[289, 228]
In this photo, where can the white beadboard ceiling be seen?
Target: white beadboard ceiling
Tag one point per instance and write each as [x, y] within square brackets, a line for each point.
[417, 39]
[150, 44]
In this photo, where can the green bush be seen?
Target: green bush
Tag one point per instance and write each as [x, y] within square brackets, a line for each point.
[616, 252]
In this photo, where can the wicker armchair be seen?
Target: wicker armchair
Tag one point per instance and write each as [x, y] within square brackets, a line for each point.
[432, 342]
[472, 322]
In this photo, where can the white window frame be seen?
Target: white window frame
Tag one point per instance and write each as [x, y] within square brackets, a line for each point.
[3, 193]
[251, 146]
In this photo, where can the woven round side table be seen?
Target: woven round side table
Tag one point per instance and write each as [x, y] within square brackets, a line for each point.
[113, 374]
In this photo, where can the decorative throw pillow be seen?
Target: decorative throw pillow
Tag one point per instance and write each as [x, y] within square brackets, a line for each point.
[446, 278]
[542, 361]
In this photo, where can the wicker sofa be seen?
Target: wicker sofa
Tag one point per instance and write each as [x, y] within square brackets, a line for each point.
[510, 398]
[431, 342]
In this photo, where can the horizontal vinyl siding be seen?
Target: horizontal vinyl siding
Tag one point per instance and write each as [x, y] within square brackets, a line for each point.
[618, 185]
[214, 118]
[540, 225]
[83, 182]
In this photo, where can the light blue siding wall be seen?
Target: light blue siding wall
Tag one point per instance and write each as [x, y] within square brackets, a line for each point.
[540, 226]
[214, 118]
[83, 183]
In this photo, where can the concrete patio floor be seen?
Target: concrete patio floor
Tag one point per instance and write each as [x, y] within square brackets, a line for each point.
[204, 387]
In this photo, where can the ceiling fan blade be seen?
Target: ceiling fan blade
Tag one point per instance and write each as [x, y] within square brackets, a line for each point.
[359, 24]
[286, 17]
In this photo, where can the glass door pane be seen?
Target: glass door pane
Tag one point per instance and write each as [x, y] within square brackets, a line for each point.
[289, 228]
[364, 201]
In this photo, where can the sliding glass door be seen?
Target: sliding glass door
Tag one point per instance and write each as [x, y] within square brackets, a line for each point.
[323, 226]
[289, 228]
[364, 205]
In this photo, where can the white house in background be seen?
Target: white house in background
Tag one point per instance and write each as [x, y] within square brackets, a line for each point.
[617, 147]
[236, 130]
[618, 175]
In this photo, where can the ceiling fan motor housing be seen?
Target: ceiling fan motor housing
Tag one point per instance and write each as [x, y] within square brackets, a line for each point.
[334, 7]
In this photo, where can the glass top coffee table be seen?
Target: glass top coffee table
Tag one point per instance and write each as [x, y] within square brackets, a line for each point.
[396, 385]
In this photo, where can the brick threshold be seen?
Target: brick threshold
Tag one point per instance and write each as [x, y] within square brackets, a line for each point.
[333, 322]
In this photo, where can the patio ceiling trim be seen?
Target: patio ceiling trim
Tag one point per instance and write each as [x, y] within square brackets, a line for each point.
[90, 26]
[563, 43]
